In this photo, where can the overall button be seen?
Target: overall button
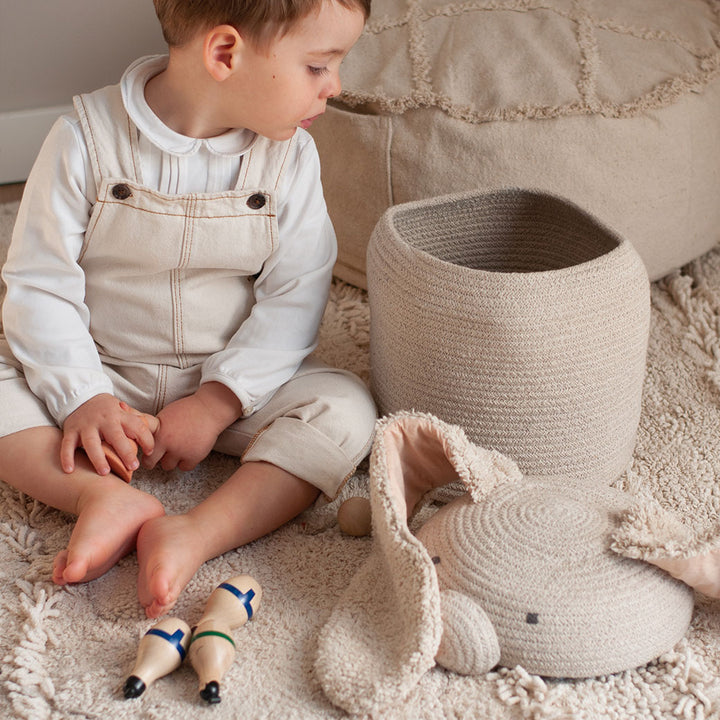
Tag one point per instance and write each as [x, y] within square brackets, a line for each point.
[121, 191]
[255, 202]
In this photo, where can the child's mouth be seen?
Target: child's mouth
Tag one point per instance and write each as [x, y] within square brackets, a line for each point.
[305, 124]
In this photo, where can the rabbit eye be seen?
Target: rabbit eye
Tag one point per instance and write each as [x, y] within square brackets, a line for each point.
[436, 560]
[532, 619]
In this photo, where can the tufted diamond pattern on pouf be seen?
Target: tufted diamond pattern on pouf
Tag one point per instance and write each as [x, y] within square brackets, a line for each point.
[612, 104]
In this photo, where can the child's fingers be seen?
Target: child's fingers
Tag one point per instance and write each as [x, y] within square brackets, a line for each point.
[68, 446]
[142, 432]
[124, 447]
[141, 429]
[151, 459]
[93, 449]
[169, 462]
[150, 421]
[116, 463]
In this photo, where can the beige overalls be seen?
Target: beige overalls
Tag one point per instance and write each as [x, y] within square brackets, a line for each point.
[169, 279]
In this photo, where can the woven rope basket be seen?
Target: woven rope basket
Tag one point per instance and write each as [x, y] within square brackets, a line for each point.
[517, 316]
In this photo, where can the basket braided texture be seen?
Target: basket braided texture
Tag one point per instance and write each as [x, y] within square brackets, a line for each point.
[518, 316]
[535, 557]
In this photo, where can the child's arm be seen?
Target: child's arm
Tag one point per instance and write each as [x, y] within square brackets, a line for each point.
[290, 293]
[45, 318]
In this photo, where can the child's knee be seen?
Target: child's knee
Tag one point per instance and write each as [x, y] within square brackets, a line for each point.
[324, 435]
[342, 409]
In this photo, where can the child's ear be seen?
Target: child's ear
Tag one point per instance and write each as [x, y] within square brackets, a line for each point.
[220, 50]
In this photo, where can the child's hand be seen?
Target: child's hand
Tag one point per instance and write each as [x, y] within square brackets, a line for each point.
[189, 427]
[104, 418]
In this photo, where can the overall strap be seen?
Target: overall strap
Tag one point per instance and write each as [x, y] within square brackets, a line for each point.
[265, 163]
[110, 134]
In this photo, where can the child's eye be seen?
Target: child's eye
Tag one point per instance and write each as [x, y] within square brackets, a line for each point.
[314, 70]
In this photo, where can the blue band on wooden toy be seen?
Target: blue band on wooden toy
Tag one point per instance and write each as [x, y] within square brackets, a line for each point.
[175, 639]
[244, 598]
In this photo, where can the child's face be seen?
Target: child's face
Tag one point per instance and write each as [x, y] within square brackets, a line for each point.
[275, 91]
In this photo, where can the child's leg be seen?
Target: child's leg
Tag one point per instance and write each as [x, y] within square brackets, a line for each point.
[257, 499]
[319, 425]
[110, 512]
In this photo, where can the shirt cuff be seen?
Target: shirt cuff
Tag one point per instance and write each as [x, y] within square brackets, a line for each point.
[62, 403]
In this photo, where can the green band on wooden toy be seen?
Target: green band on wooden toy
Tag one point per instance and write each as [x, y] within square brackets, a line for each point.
[212, 632]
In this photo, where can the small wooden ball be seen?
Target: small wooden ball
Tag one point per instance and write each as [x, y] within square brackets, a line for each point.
[354, 517]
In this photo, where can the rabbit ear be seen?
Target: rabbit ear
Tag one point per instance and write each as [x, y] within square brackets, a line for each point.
[701, 572]
[385, 630]
[649, 532]
[423, 453]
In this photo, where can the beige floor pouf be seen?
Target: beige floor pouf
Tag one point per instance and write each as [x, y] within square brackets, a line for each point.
[519, 317]
[613, 104]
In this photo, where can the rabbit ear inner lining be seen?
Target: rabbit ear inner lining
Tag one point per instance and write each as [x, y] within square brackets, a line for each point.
[417, 459]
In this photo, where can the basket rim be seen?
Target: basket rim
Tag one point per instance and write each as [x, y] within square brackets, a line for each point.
[387, 226]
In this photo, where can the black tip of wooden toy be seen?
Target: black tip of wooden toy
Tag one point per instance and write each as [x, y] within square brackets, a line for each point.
[134, 687]
[211, 692]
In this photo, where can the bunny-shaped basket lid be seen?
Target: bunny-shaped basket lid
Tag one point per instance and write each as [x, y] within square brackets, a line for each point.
[525, 568]
[535, 557]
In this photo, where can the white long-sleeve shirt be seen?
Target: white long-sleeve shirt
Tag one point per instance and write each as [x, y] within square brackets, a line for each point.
[45, 319]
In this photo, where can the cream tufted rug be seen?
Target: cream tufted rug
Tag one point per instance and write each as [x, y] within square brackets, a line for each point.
[66, 652]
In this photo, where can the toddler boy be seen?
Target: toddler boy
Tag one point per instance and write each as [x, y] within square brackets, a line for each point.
[173, 253]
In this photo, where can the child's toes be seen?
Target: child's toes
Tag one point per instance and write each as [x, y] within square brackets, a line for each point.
[59, 565]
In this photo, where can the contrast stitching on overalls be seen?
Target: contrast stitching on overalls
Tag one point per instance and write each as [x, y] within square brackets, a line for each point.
[132, 148]
[271, 228]
[176, 291]
[194, 216]
[176, 281]
[188, 230]
[252, 442]
[94, 221]
[282, 164]
[185, 259]
[161, 388]
[342, 484]
[87, 124]
[271, 232]
[241, 185]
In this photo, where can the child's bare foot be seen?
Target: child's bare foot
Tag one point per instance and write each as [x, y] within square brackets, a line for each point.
[255, 500]
[110, 514]
[170, 550]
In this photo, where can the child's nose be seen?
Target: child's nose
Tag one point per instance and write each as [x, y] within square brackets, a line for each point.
[333, 87]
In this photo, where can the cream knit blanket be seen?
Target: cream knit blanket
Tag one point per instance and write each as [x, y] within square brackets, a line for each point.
[66, 652]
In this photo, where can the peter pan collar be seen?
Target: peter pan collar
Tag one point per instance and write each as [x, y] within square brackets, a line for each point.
[132, 85]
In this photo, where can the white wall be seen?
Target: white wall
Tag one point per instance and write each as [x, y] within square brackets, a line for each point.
[51, 50]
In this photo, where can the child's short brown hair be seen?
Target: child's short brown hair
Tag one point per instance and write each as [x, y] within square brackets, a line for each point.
[259, 20]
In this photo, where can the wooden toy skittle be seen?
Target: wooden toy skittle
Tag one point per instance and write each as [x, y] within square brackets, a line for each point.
[212, 652]
[212, 648]
[355, 517]
[234, 601]
[161, 650]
